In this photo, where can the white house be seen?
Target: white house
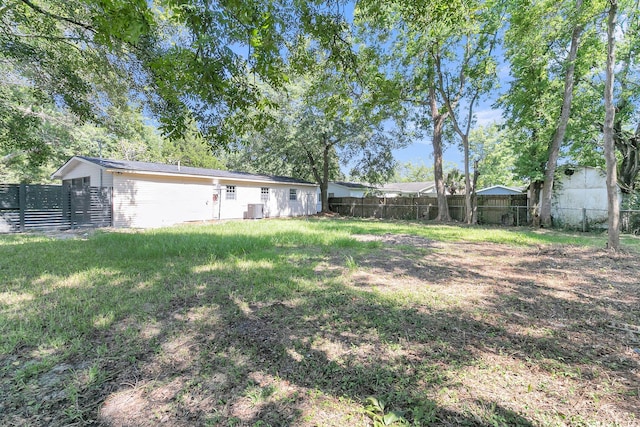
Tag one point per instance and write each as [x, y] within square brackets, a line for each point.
[347, 189]
[499, 190]
[149, 195]
[408, 189]
[580, 194]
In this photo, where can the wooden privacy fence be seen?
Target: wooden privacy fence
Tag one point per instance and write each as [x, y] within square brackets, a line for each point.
[505, 210]
[37, 207]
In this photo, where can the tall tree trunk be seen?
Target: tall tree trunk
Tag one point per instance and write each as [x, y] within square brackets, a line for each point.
[558, 136]
[438, 125]
[467, 182]
[322, 179]
[609, 145]
[474, 196]
[534, 199]
[324, 185]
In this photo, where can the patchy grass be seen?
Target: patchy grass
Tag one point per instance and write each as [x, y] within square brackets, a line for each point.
[319, 322]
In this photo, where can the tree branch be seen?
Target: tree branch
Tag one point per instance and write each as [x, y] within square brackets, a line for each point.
[58, 17]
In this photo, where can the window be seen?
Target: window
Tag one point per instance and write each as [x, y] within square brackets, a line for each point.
[293, 194]
[264, 194]
[231, 192]
[77, 182]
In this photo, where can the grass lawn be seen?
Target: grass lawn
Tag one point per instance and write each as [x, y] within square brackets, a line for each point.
[320, 322]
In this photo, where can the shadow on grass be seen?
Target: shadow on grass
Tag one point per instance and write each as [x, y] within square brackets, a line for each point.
[238, 328]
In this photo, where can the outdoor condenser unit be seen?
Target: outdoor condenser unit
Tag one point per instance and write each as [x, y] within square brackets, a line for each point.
[255, 211]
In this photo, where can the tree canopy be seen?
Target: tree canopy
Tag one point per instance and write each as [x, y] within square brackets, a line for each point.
[183, 61]
[208, 73]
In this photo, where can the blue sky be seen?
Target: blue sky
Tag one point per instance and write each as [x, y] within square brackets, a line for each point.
[420, 151]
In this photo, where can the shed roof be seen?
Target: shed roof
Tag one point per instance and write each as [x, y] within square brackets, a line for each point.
[163, 169]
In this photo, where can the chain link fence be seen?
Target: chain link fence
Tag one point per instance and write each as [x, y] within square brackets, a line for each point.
[491, 210]
[595, 220]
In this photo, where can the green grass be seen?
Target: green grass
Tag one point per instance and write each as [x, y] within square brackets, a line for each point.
[77, 314]
[521, 236]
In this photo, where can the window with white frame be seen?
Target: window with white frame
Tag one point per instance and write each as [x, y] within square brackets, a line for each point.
[264, 194]
[231, 192]
[293, 194]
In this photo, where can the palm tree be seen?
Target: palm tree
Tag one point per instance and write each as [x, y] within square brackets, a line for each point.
[454, 181]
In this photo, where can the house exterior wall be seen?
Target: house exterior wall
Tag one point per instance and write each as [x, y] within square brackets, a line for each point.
[341, 191]
[157, 201]
[580, 196]
[96, 174]
[150, 199]
[278, 204]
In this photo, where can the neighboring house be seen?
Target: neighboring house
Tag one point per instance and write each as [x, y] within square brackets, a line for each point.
[580, 194]
[408, 189]
[344, 189]
[153, 195]
[348, 189]
[499, 190]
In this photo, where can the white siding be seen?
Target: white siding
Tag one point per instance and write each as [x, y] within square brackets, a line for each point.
[341, 191]
[585, 189]
[146, 202]
[98, 177]
[278, 204]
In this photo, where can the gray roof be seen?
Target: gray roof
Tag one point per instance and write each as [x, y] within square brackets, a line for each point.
[498, 188]
[409, 187]
[129, 165]
[355, 185]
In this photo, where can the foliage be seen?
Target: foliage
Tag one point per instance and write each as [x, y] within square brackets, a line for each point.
[536, 54]
[375, 409]
[440, 55]
[454, 181]
[184, 61]
[496, 157]
[317, 124]
[412, 172]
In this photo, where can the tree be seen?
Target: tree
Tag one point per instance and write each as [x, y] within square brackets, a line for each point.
[542, 44]
[184, 61]
[613, 241]
[440, 53]
[495, 156]
[468, 75]
[454, 181]
[412, 172]
[563, 120]
[321, 122]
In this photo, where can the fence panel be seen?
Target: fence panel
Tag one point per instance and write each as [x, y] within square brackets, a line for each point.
[505, 210]
[39, 207]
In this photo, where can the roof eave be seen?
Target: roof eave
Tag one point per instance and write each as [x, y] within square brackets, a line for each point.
[60, 172]
[205, 177]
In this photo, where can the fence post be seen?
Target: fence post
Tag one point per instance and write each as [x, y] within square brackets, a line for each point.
[66, 199]
[584, 220]
[22, 204]
[72, 207]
